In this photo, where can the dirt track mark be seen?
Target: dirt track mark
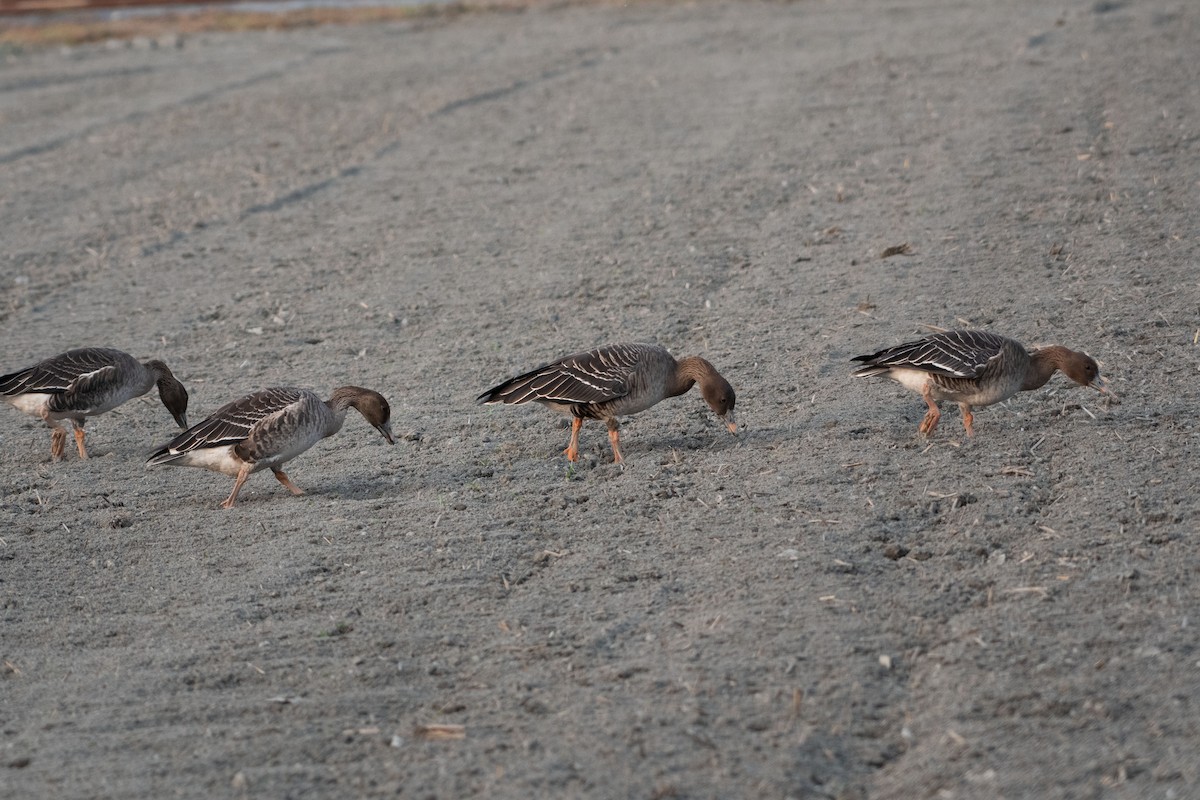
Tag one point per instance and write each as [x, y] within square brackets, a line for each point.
[134, 116]
[514, 87]
[307, 191]
[63, 80]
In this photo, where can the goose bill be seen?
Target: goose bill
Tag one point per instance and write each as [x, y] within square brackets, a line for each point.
[386, 430]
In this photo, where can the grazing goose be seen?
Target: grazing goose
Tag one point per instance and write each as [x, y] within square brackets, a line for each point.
[614, 380]
[83, 383]
[268, 428]
[975, 368]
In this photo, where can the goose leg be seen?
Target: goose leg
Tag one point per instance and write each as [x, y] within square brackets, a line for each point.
[930, 422]
[282, 477]
[614, 438]
[572, 450]
[79, 438]
[968, 418]
[243, 473]
[58, 442]
[58, 436]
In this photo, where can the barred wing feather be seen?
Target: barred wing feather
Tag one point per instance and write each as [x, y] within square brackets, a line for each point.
[596, 376]
[56, 375]
[232, 422]
[954, 354]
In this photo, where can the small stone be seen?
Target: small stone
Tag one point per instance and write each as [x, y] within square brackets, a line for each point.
[895, 551]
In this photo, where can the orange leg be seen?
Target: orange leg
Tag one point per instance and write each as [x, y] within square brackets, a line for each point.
[282, 477]
[615, 440]
[243, 473]
[79, 440]
[930, 422]
[572, 450]
[968, 418]
[58, 443]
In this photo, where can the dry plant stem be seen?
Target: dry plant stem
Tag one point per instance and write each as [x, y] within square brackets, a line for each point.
[441, 732]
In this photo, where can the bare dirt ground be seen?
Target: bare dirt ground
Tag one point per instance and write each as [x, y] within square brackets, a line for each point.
[823, 606]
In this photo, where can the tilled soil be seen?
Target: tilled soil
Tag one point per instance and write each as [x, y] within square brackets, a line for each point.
[826, 605]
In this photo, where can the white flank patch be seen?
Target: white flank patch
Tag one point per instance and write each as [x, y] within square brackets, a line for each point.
[913, 379]
[218, 459]
[32, 403]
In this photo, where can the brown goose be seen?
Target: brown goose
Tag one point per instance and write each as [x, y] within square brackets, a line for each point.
[975, 368]
[84, 383]
[268, 428]
[609, 381]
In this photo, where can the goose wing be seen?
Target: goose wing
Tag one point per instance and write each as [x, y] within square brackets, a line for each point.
[596, 376]
[230, 424]
[954, 354]
[75, 371]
